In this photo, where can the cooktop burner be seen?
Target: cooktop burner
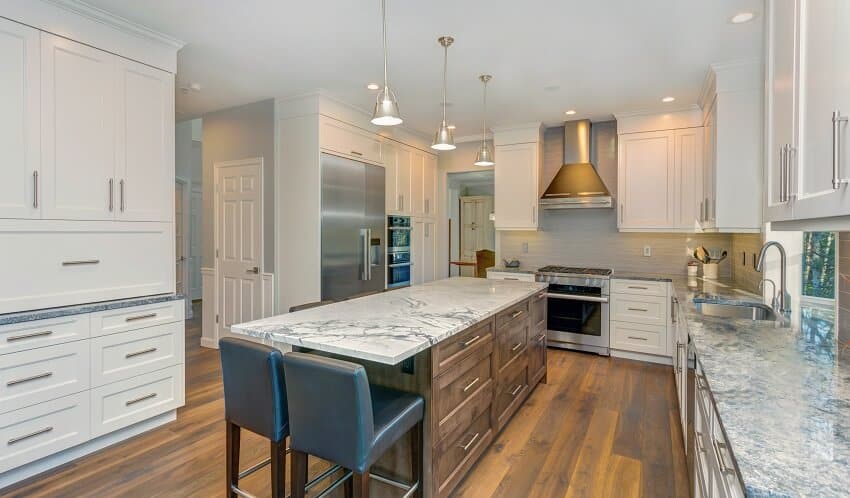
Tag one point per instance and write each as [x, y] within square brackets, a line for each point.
[570, 270]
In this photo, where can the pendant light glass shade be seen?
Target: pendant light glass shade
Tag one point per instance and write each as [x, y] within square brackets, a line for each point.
[386, 106]
[485, 154]
[444, 139]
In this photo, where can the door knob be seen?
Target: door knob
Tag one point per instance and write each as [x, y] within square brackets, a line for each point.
[255, 270]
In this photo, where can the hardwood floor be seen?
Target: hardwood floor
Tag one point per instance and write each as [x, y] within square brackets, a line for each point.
[600, 427]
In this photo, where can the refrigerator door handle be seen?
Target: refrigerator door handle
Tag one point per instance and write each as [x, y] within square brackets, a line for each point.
[365, 263]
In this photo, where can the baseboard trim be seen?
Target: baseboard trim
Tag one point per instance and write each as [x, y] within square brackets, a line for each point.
[47, 463]
[649, 358]
[208, 342]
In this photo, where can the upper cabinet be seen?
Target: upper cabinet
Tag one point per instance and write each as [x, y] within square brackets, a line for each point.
[807, 106]
[19, 121]
[411, 180]
[343, 139]
[517, 177]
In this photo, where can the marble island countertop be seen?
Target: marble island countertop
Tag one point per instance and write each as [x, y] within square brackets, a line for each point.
[782, 394]
[392, 326]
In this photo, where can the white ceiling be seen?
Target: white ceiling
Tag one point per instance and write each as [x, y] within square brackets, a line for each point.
[546, 56]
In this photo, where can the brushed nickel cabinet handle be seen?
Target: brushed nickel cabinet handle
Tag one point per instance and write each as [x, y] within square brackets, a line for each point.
[700, 444]
[837, 119]
[121, 194]
[466, 446]
[516, 346]
[541, 295]
[255, 270]
[427, 206]
[516, 390]
[700, 383]
[110, 182]
[355, 153]
[28, 336]
[720, 449]
[510, 278]
[140, 399]
[638, 338]
[35, 189]
[471, 341]
[139, 317]
[29, 379]
[139, 353]
[27, 436]
[516, 313]
[541, 337]
[79, 262]
[674, 303]
[469, 386]
[644, 310]
[638, 287]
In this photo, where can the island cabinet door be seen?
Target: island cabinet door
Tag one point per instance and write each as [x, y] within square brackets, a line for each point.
[537, 340]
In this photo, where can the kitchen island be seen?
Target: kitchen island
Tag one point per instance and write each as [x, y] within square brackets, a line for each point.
[473, 348]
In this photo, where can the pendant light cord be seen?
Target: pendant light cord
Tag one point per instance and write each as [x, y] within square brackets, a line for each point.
[445, 64]
[384, 19]
[484, 120]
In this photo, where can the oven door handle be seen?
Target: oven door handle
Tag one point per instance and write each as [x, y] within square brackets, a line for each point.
[577, 297]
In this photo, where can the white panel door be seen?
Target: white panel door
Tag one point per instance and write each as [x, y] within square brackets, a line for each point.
[19, 120]
[781, 75]
[688, 163]
[824, 89]
[239, 236]
[646, 180]
[78, 131]
[417, 172]
[516, 186]
[144, 142]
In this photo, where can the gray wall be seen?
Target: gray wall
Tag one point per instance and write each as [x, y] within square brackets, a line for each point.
[239, 133]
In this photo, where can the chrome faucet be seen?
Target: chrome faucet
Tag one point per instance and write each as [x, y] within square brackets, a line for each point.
[783, 286]
[774, 303]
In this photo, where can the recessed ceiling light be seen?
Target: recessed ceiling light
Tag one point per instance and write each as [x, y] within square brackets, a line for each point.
[373, 86]
[668, 99]
[570, 112]
[452, 127]
[742, 17]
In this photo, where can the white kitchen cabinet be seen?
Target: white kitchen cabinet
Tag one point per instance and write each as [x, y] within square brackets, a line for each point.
[824, 90]
[78, 131]
[397, 163]
[707, 211]
[429, 185]
[417, 192]
[20, 120]
[517, 191]
[641, 319]
[680, 364]
[782, 88]
[688, 164]
[646, 180]
[350, 141]
[423, 251]
[144, 167]
[506, 275]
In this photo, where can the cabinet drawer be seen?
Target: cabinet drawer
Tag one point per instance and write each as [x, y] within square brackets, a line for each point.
[121, 356]
[499, 275]
[38, 375]
[449, 352]
[642, 287]
[455, 456]
[349, 141]
[457, 386]
[651, 310]
[511, 389]
[516, 312]
[538, 309]
[124, 319]
[639, 337]
[44, 429]
[511, 343]
[39, 333]
[126, 402]
[61, 263]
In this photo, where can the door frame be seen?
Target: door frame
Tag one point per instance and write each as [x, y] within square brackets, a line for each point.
[187, 198]
[218, 166]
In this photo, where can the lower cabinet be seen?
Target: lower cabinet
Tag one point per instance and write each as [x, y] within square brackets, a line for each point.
[640, 319]
[481, 377]
[65, 381]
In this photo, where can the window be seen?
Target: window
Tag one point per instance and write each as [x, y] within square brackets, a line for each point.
[819, 265]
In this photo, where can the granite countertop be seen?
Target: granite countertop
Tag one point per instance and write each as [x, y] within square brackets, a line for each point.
[28, 316]
[392, 326]
[520, 269]
[631, 275]
[783, 395]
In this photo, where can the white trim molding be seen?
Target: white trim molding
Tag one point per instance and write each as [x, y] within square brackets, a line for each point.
[268, 294]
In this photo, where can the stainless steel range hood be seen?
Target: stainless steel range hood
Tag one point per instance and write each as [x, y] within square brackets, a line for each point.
[577, 184]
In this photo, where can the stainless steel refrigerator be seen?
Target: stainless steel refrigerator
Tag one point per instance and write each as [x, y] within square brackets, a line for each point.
[353, 233]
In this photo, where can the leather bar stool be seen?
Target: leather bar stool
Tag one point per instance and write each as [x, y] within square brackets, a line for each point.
[336, 415]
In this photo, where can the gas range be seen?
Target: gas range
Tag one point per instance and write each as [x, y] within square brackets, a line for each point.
[575, 276]
[574, 271]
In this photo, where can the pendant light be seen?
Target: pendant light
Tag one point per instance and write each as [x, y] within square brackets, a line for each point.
[444, 140]
[485, 154]
[386, 106]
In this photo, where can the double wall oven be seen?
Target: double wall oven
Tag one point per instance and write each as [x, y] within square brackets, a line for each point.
[398, 251]
[577, 307]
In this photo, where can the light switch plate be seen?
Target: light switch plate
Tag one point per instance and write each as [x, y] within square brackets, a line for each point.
[647, 251]
[525, 247]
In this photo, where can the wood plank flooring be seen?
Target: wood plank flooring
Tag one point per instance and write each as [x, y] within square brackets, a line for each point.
[600, 428]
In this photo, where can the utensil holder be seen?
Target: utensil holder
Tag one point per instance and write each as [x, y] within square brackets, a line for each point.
[692, 270]
[709, 270]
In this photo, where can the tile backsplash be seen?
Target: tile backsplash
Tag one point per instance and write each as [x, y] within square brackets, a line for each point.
[742, 258]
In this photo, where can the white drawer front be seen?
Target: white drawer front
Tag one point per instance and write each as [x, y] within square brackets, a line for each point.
[522, 277]
[651, 310]
[349, 140]
[642, 287]
[41, 430]
[638, 337]
[124, 319]
[40, 333]
[62, 263]
[121, 356]
[126, 402]
[37, 375]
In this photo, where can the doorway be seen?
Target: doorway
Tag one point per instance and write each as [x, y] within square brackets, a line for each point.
[238, 242]
[473, 238]
[181, 241]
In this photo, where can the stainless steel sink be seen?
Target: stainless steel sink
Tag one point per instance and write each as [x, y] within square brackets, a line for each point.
[747, 311]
